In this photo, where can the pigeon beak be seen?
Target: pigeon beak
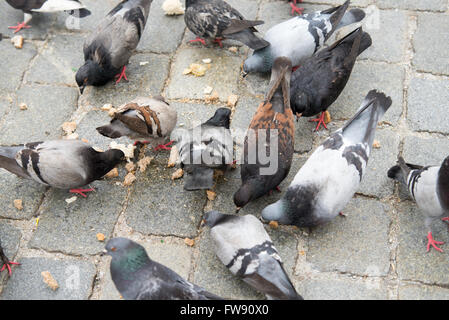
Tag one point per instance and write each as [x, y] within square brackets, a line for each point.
[103, 253]
[244, 74]
[82, 89]
[237, 210]
[203, 222]
[298, 115]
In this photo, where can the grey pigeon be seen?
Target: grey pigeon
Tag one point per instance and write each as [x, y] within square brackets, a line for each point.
[300, 37]
[330, 177]
[143, 118]
[217, 20]
[137, 277]
[63, 164]
[108, 48]
[204, 148]
[274, 115]
[245, 248]
[4, 261]
[72, 7]
[429, 187]
[322, 77]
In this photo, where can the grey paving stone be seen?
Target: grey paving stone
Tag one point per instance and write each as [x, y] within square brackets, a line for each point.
[430, 46]
[162, 33]
[74, 277]
[413, 262]
[222, 76]
[59, 60]
[365, 77]
[159, 251]
[5, 104]
[12, 188]
[376, 182]
[10, 237]
[72, 228]
[144, 80]
[357, 243]
[48, 108]
[14, 70]
[40, 24]
[420, 292]
[435, 5]
[427, 101]
[332, 288]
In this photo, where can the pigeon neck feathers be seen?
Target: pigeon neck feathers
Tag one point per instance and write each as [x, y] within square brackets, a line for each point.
[221, 118]
[443, 184]
[100, 163]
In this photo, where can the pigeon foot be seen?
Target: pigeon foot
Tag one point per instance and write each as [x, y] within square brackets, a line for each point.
[296, 9]
[19, 27]
[81, 191]
[433, 242]
[164, 146]
[8, 265]
[219, 41]
[121, 75]
[198, 39]
[320, 121]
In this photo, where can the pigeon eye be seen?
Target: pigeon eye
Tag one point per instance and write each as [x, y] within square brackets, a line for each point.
[85, 81]
[113, 249]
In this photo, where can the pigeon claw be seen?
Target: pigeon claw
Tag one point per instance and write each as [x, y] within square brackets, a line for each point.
[433, 242]
[198, 39]
[121, 75]
[164, 146]
[81, 191]
[8, 265]
[219, 41]
[19, 27]
[296, 9]
[320, 121]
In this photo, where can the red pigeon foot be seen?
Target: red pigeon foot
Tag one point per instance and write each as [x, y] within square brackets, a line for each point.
[81, 191]
[295, 8]
[164, 146]
[7, 265]
[19, 27]
[341, 214]
[433, 242]
[295, 68]
[320, 121]
[446, 220]
[198, 39]
[121, 75]
[278, 189]
[218, 40]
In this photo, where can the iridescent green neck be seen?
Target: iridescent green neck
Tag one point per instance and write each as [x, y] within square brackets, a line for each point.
[134, 260]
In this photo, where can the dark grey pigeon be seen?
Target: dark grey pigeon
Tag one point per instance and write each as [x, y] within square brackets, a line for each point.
[245, 248]
[5, 263]
[204, 148]
[300, 37]
[322, 77]
[64, 164]
[429, 187]
[330, 177]
[216, 19]
[108, 48]
[137, 277]
[72, 7]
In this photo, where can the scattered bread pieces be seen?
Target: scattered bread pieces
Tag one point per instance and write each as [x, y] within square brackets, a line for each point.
[86, 141]
[130, 167]
[212, 98]
[106, 107]
[17, 41]
[302, 252]
[198, 70]
[274, 224]
[327, 117]
[211, 195]
[72, 136]
[174, 156]
[100, 237]
[23, 106]
[173, 7]
[69, 127]
[376, 144]
[208, 90]
[112, 174]
[144, 63]
[207, 61]
[189, 242]
[144, 162]
[129, 179]
[232, 100]
[127, 150]
[70, 200]
[18, 204]
[177, 174]
[233, 49]
[49, 280]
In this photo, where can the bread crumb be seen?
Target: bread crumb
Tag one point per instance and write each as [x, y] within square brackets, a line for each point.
[144, 162]
[85, 140]
[100, 237]
[327, 117]
[106, 107]
[233, 49]
[23, 106]
[130, 167]
[198, 70]
[208, 90]
[212, 98]
[17, 41]
[177, 174]
[70, 200]
[173, 7]
[174, 156]
[112, 174]
[232, 100]
[376, 144]
[189, 242]
[69, 127]
[211, 195]
[18, 204]
[207, 61]
[129, 179]
[274, 224]
[49, 280]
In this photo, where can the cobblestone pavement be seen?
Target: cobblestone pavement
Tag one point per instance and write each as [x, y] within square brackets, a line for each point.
[376, 252]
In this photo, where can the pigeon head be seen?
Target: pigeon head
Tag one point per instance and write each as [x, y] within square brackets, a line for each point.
[91, 73]
[244, 194]
[260, 61]
[118, 247]
[212, 218]
[221, 118]
[276, 212]
[103, 162]
[300, 101]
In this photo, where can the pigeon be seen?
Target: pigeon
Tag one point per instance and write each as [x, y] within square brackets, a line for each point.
[245, 248]
[204, 148]
[72, 7]
[332, 174]
[275, 122]
[108, 49]
[137, 277]
[429, 187]
[295, 8]
[300, 37]
[143, 118]
[5, 263]
[217, 20]
[63, 164]
[322, 77]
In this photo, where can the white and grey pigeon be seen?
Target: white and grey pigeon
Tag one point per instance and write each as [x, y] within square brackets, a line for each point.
[204, 148]
[429, 187]
[63, 164]
[245, 248]
[108, 48]
[137, 277]
[300, 37]
[144, 118]
[330, 177]
[72, 7]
